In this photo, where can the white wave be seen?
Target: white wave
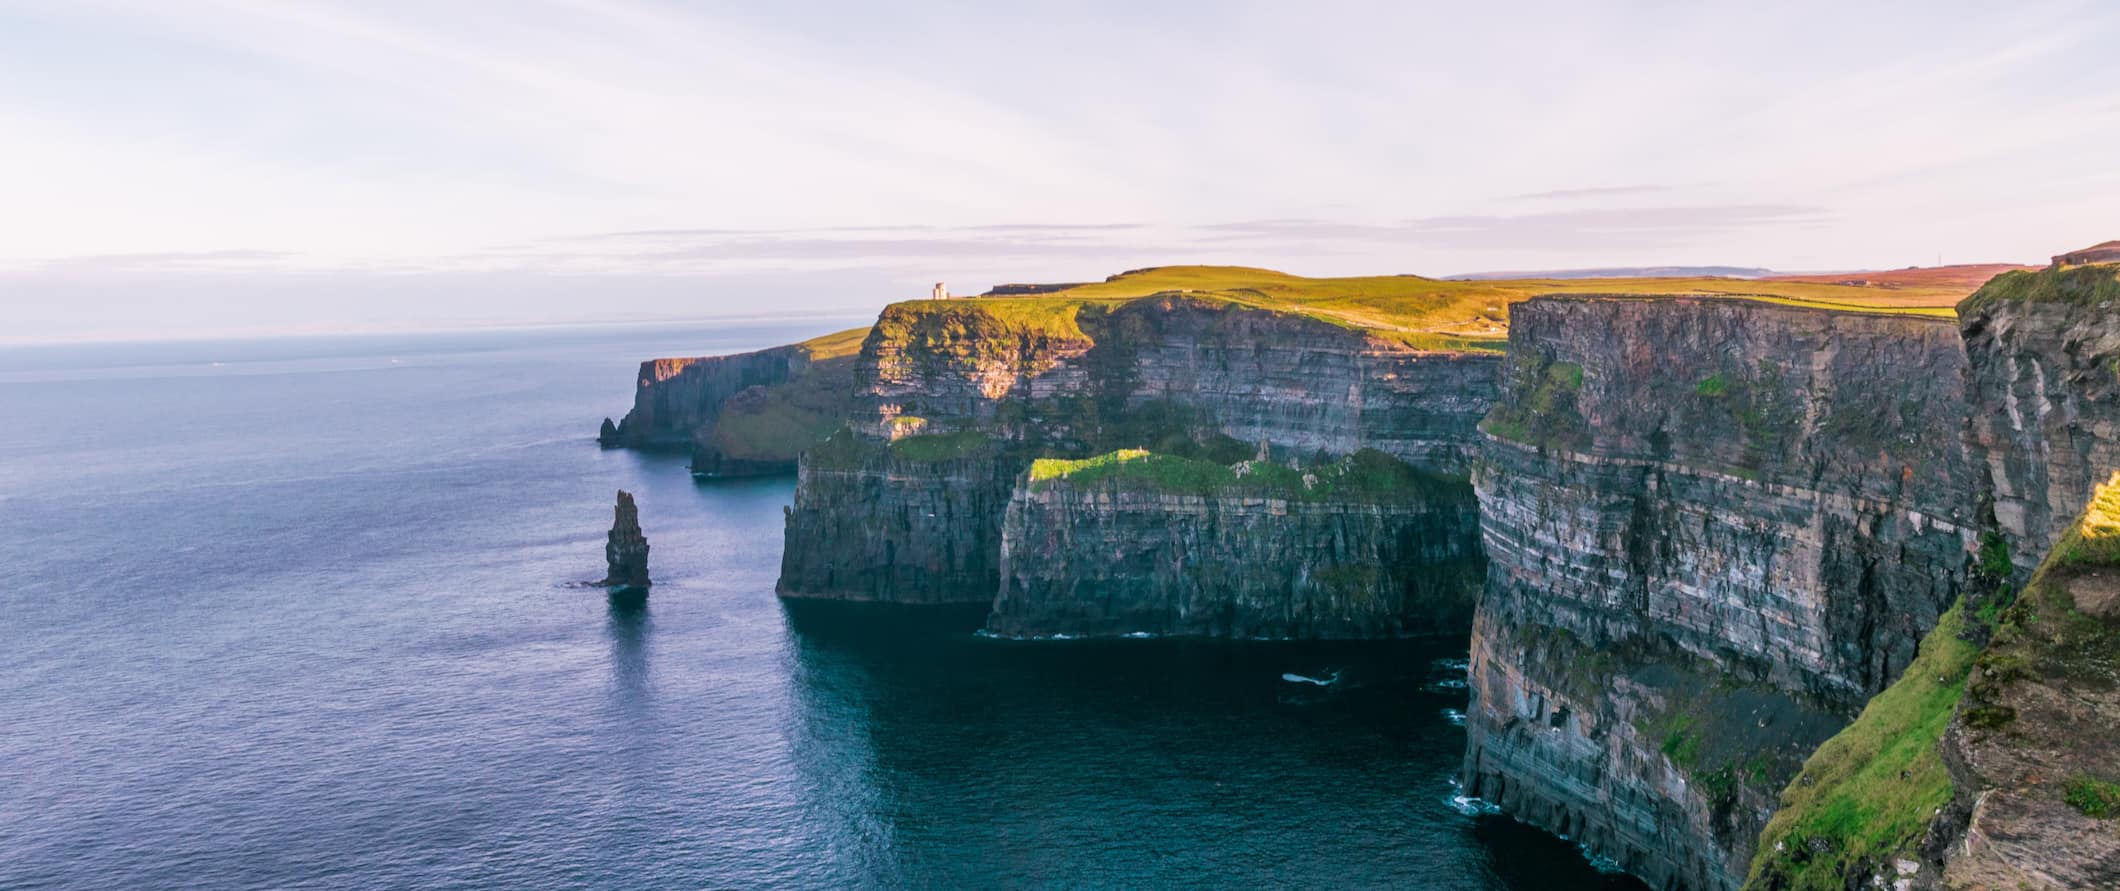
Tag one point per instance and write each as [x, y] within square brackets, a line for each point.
[1326, 681]
[1473, 807]
[1455, 717]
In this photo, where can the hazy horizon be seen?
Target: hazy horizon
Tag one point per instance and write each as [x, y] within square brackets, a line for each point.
[237, 168]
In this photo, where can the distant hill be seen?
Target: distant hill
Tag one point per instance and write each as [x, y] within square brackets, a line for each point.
[1621, 272]
[1967, 276]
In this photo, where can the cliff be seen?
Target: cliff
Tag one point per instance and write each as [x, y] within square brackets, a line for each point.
[741, 414]
[1138, 543]
[2034, 746]
[2034, 749]
[915, 521]
[1715, 528]
[1991, 764]
[2044, 352]
[1188, 375]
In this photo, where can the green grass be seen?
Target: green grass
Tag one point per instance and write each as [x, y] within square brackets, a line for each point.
[783, 420]
[836, 345]
[1421, 313]
[1681, 744]
[1869, 793]
[2094, 540]
[2093, 797]
[932, 447]
[1712, 386]
[1367, 475]
[2071, 284]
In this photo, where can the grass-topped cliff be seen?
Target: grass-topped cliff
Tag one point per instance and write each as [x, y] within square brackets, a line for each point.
[771, 424]
[1449, 314]
[1365, 475]
[2057, 284]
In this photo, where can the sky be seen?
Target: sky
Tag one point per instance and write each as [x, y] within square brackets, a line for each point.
[230, 167]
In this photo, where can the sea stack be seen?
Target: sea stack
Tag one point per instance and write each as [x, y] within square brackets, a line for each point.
[607, 436]
[627, 551]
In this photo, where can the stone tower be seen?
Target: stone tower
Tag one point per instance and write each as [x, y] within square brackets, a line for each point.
[942, 291]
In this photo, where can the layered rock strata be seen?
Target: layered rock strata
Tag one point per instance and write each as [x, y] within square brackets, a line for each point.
[913, 522]
[626, 548]
[745, 414]
[1031, 378]
[2034, 747]
[2044, 349]
[673, 398]
[1714, 527]
[1392, 553]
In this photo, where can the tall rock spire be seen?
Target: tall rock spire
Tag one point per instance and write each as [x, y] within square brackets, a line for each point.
[627, 550]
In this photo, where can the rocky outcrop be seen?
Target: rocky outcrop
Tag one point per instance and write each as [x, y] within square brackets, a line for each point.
[745, 414]
[1027, 378]
[916, 521]
[1714, 527]
[2034, 747]
[2044, 352]
[1365, 547]
[675, 397]
[626, 548]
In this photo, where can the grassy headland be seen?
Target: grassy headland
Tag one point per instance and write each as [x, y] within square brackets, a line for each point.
[1426, 313]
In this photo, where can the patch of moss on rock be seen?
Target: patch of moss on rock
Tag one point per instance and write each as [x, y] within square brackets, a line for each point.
[2093, 797]
[1538, 406]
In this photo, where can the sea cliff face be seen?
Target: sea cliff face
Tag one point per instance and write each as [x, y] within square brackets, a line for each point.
[674, 397]
[2033, 748]
[2045, 375]
[1392, 552]
[916, 521]
[1714, 527]
[744, 414]
[1021, 379]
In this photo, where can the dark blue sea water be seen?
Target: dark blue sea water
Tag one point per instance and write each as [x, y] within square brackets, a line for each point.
[297, 614]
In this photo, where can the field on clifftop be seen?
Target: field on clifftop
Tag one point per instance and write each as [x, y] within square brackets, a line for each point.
[1450, 314]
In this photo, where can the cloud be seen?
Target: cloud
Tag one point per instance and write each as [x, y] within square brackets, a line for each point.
[1596, 192]
[1534, 233]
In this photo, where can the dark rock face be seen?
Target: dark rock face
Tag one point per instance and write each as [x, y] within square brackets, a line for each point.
[674, 397]
[876, 521]
[1114, 558]
[2039, 724]
[1679, 496]
[871, 524]
[2045, 382]
[747, 414]
[626, 551]
[1298, 385]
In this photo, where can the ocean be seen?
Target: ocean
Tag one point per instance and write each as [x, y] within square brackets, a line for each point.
[305, 613]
